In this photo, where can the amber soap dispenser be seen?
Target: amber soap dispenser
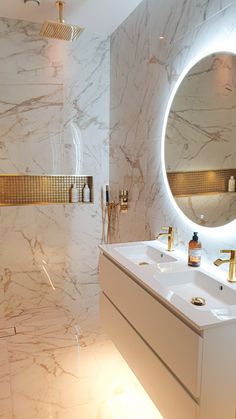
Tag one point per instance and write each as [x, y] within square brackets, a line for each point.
[194, 251]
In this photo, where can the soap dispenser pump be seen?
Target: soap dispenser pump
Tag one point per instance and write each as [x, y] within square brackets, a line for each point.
[194, 251]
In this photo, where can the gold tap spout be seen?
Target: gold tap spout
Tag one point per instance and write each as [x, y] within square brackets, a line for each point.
[219, 261]
[170, 235]
[232, 264]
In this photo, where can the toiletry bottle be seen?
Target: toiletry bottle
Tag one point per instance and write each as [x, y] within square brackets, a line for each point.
[74, 194]
[231, 184]
[86, 193]
[194, 251]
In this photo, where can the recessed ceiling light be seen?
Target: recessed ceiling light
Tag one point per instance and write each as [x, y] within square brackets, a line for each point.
[36, 2]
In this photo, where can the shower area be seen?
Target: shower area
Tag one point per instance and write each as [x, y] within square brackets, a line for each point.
[54, 100]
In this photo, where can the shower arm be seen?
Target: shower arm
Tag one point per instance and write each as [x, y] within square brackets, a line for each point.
[60, 5]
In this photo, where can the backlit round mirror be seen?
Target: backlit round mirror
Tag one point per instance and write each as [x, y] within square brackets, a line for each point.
[200, 142]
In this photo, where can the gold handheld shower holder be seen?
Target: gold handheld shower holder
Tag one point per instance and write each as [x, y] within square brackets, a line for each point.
[110, 207]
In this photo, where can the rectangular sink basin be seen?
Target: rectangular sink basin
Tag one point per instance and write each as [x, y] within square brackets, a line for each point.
[191, 284]
[144, 255]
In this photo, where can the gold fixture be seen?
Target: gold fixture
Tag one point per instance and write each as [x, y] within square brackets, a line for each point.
[170, 235]
[198, 301]
[35, 189]
[232, 264]
[60, 30]
[110, 207]
[123, 198]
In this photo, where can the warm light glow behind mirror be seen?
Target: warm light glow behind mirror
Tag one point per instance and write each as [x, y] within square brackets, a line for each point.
[224, 82]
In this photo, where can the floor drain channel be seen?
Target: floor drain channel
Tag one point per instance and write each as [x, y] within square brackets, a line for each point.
[198, 301]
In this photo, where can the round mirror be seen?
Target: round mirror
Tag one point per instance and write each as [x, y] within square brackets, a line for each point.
[200, 142]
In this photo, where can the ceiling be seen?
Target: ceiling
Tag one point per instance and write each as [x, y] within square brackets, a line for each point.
[102, 16]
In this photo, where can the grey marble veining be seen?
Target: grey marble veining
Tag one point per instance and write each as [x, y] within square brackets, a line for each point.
[191, 29]
[200, 132]
[49, 281]
[211, 210]
[54, 100]
[5, 388]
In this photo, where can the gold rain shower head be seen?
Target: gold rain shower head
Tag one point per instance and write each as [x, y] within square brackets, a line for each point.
[60, 30]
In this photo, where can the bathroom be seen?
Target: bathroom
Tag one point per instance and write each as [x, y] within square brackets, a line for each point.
[112, 86]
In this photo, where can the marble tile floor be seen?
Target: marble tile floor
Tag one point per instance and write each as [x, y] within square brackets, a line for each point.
[50, 370]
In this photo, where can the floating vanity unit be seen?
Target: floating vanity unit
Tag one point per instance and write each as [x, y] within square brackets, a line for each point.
[182, 353]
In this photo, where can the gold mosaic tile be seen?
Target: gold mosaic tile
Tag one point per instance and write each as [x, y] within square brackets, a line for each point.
[34, 189]
[199, 182]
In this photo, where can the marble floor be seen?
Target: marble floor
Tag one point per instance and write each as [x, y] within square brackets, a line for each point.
[52, 368]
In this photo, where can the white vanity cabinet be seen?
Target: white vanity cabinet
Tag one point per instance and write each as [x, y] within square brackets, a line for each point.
[189, 373]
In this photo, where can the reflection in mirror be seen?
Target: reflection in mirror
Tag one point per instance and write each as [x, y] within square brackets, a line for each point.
[200, 143]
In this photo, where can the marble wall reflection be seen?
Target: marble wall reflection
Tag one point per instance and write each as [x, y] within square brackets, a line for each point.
[54, 99]
[144, 71]
[200, 132]
[209, 210]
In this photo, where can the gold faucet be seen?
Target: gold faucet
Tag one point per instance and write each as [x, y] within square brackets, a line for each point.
[170, 235]
[232, 264]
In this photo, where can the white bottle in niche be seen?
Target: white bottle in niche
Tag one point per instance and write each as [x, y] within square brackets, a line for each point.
[86, 193]
[74, 194]
[231, 184]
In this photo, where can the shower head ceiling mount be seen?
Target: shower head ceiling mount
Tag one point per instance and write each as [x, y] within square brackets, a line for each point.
[60, 30]
[36, 2]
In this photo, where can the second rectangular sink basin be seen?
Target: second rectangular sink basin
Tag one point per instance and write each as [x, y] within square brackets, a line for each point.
[144, 255]
[192, 284]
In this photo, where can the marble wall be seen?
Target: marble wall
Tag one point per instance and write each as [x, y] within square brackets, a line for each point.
[54, 115]
[200, 132]
[144, 71]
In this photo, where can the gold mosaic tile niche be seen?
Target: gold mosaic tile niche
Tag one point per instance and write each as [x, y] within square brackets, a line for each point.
[34, 189]
[199, 182]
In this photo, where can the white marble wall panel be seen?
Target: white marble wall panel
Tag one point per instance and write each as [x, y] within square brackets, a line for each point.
[49, 254]
[192, 29]
[86, 108]
[31, 100]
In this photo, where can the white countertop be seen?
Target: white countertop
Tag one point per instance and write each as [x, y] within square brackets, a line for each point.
[147, 276]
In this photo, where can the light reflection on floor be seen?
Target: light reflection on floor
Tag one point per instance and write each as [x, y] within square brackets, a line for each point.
[44, 374]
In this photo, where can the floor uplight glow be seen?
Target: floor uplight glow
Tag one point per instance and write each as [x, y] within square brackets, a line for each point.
[129, 401]
[123, 397]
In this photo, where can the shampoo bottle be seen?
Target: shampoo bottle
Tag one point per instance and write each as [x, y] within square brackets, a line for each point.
[74, 194]
[231, 184]
[86, 193]
[194, 251]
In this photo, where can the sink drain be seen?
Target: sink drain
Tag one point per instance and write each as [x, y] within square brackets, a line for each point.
[143, 263]
[198, 301]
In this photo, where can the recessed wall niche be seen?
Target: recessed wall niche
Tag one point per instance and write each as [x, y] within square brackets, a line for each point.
[41, 190]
